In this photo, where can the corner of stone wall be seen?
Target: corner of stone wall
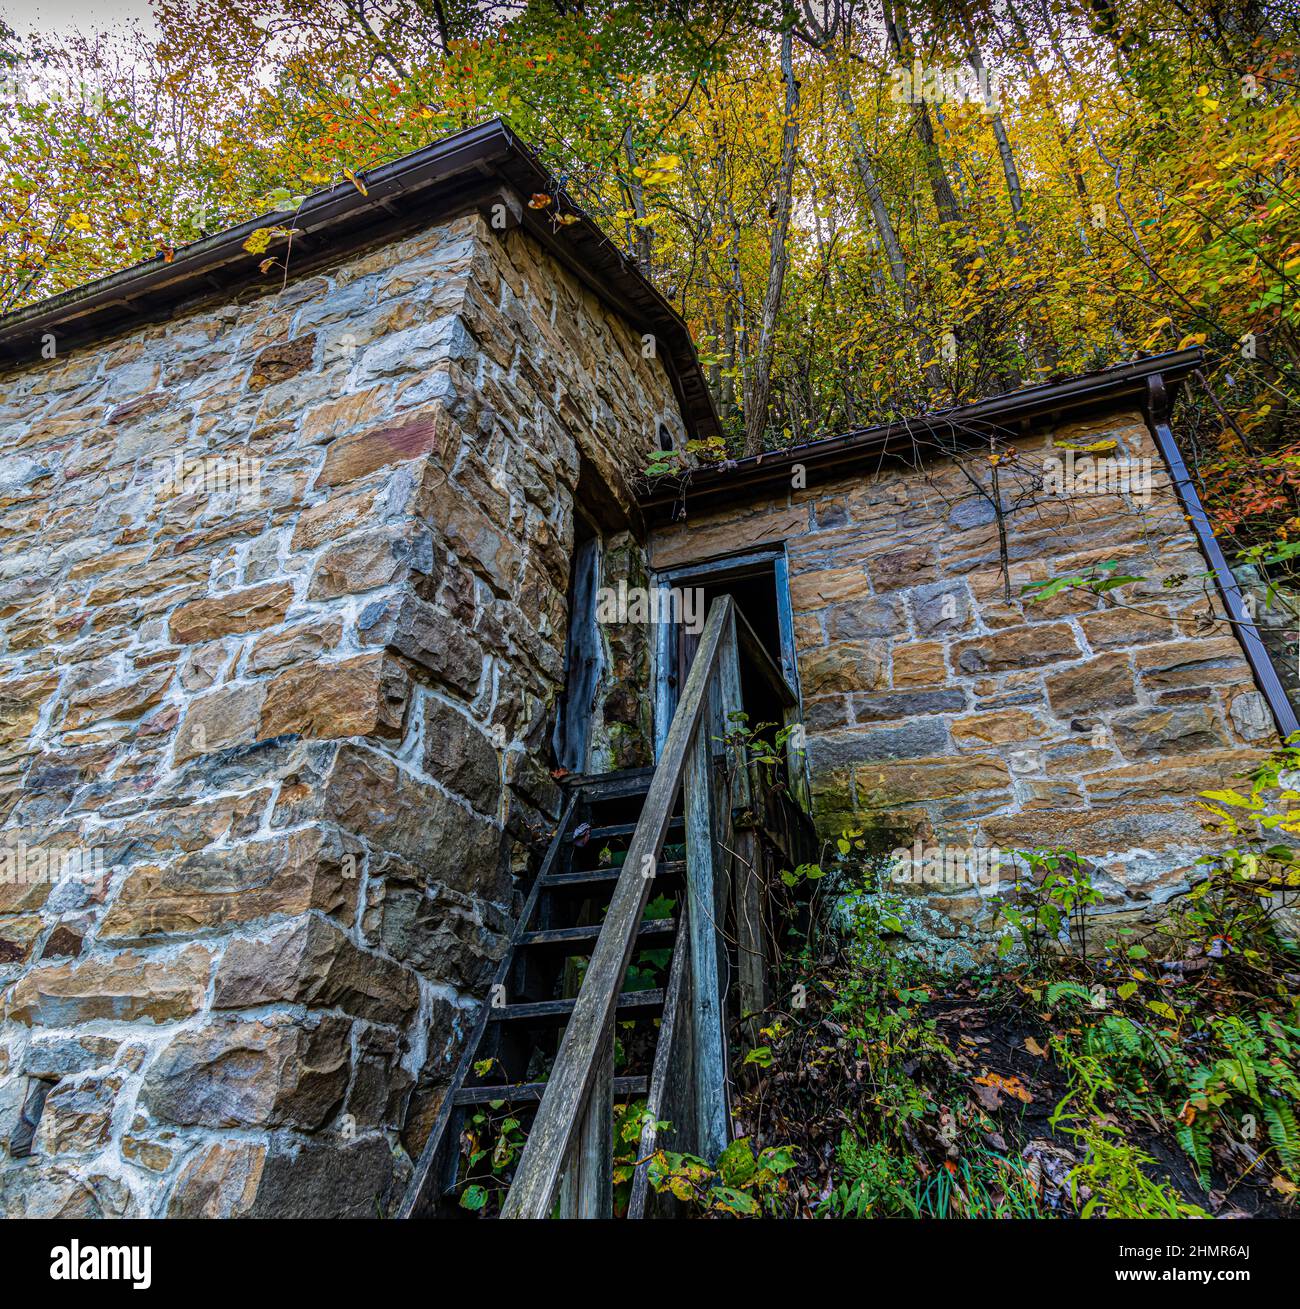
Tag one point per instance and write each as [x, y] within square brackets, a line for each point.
[301, 740]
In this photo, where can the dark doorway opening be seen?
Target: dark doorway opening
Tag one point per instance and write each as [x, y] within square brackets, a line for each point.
[755, 597]
[571, 741]
[758, 583]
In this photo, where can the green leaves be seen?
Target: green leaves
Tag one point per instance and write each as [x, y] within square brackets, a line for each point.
[735, 1185]
[736, 1165]
[1098, 580]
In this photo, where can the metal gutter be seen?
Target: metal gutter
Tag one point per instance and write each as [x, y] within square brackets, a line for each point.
[864, 448]
[444, 178]
[1158, 407]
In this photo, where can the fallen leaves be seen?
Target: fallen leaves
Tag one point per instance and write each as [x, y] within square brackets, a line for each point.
[990, 1088]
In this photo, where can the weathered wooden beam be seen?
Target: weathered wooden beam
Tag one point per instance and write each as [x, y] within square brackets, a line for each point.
[702, 874]
[669, 1075]
[573, 1074]
[747, 906]
[596, 1140]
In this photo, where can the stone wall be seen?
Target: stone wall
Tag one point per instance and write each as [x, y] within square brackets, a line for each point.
[291, 737]
[938, 711]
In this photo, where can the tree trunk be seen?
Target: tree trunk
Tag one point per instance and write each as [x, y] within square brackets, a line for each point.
[945, 202]
[740, 316]
[756, 402]
[889, 240]
[643, 236]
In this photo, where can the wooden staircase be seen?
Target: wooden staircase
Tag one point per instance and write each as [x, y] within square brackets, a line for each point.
[638, 928]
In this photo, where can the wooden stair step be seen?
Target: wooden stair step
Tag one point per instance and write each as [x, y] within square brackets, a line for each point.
[631, 1004]
[621, 829]
[597, 876]
[586, 936]
[523, 1092]
[597, 787]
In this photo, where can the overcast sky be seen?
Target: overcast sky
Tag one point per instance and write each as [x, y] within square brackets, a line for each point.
[64, 15]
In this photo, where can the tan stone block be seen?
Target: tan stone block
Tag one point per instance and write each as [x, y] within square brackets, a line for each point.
[311, 961]
[225, 717]
[303, 644]
[21, 700]
[999, 727]
[353, 456]
[123, 702]
[365, 696]
[1016, 647]
[278, 1071]
[310, 869]
[219, 1182]
[109, 561]
[482, 547]
[17, 936]
[702, 540]
[201, 543]
[364, 563]
[1127, 627]
[1144, 733]
[1039, 793]
[807, 631]
[913, 565]
[1094, 832]
[127, 987]
[809, 590]
[336, 517]
[848, 666]
[203, 665]
[912, 780]
[238, 611]
[152, 582]
[1215, 660]
[1104, 682]
[195, 823]
[18, 895]
[1179, 778]
[338, 416]
[393, 810]
[150, 1153]
[919, 664]
[78, 1115]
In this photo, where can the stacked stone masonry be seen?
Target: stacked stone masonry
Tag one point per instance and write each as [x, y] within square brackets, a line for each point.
[937, 711]
[295, 731]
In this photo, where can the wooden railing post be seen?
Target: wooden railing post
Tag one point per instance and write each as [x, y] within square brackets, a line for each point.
[709, 795]
[702, 876]
[595, 1149]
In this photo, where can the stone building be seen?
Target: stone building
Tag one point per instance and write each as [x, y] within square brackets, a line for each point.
[298, 566]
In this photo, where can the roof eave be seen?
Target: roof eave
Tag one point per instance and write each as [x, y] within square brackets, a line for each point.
[417, 187]
[1008, 414]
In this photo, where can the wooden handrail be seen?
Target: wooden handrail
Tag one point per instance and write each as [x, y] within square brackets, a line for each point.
[571, 1133]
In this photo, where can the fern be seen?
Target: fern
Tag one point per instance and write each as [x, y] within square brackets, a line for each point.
[1284, 1132]
[1058, 989]
[1194, 1137]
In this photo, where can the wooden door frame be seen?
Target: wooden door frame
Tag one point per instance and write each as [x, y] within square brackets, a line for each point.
[721, 568]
